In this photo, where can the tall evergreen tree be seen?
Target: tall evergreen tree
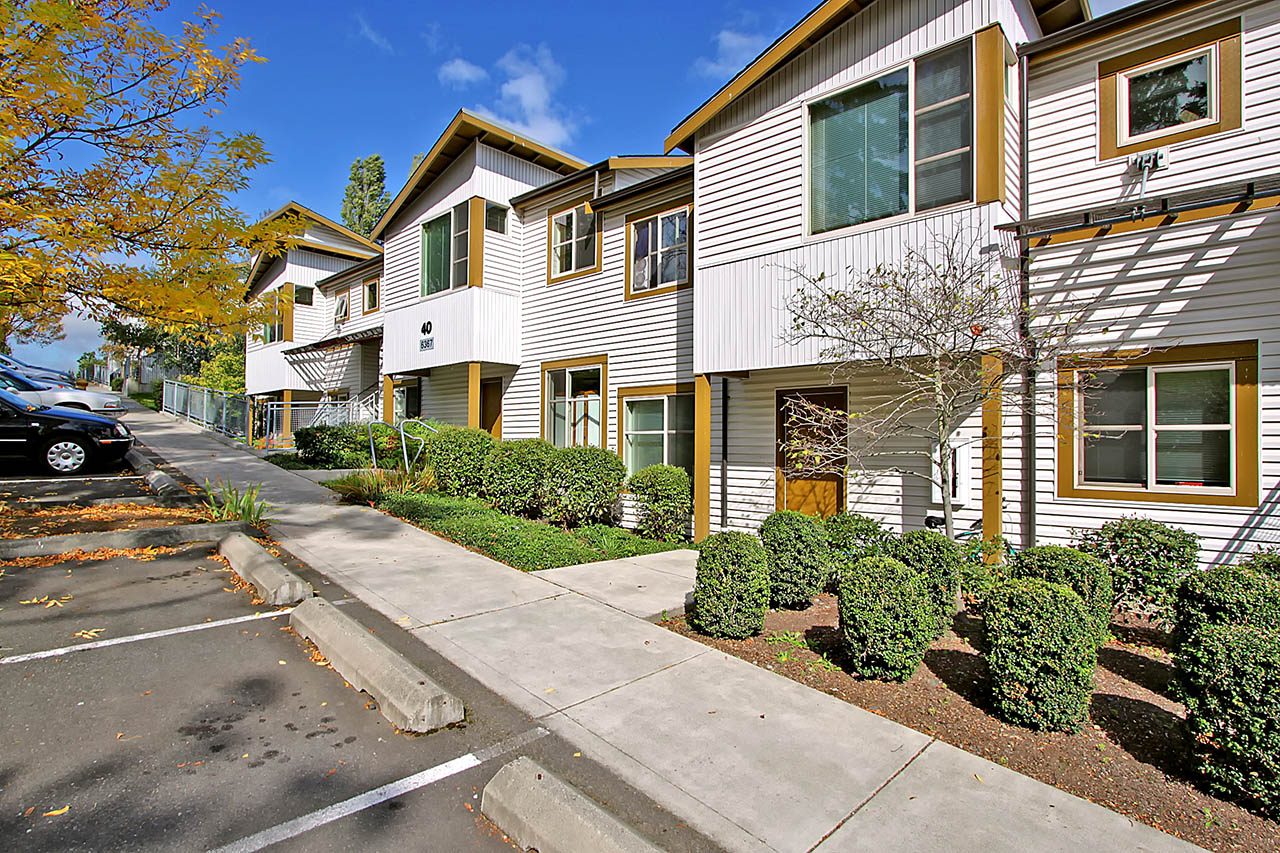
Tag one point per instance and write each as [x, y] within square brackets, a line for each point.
[366, 198]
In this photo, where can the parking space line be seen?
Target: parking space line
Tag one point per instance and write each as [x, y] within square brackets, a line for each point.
[337, 811]
[135, 638]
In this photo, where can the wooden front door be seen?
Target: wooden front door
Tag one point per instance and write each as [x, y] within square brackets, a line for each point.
[491, 407]
[813, 494]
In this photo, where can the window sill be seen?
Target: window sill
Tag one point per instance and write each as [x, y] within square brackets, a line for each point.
[1094, 494]
[888, 222]
[631, 296]
[553, 280]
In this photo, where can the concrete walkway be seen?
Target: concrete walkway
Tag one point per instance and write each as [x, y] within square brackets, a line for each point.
[751, 759]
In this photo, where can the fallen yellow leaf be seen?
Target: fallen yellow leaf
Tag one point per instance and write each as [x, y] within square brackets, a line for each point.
[57, 812]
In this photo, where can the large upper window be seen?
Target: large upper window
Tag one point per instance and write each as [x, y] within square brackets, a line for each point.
[372, 296]
[1169, 95]
[445, 247]
[659, 251]
[575, 406]
[658, 431]
[273, 329]
[865, 159]
[574, 242]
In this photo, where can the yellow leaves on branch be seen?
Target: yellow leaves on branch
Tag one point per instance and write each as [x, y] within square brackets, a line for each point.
[114, 193]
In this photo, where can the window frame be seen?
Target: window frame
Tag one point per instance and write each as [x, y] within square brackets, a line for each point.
[1241, 359]
[506, 217]
[634, 219]
[451, 213]
[552, 276]
[273, 330]
[341, 300]
[545, 399]
[1123, 79]
[310, 291]
[367, 307]
[654, 392]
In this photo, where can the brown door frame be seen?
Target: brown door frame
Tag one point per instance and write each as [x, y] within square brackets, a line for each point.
[780, 480]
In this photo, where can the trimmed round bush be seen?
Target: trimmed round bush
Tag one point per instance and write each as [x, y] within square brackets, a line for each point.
[888, 618]
[799, 559]
[514, 472]
[324, 446]
[1264, 561]
[1231, 681]
[1041, 649]
[731, 591]
[936, 557]
[1087, 576]
[583, 485]
[854, 536]
[1225, 595]
[1147, 560]
[457, 458]
[665, 499]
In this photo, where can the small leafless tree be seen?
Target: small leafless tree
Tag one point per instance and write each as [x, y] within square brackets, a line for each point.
[942, 331]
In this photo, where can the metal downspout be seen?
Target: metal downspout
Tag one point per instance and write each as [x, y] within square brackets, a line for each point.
[1029, 425]
[724, 452]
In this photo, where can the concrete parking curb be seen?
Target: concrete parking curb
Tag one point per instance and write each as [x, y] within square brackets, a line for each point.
[275, 584]
[407, 697]
[181, 534]
[158, 481]
[536, 809]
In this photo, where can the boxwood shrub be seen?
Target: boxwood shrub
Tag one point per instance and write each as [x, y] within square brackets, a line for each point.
[514, 472]
[938, 559]
[1225, 595]
[583, 485]
[1264, 560]
[855, 536]
[1087, 576]
[1147, 560]
[799, 559]
[457, 457]
[731, 590]
[1041, 650]
[1231, 681]
[888, 618]
[665, 501]
[347, 446]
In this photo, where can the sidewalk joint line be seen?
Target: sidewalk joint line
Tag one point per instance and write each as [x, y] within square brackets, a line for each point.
[637, 678]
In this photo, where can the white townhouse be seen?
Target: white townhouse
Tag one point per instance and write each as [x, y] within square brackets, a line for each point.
[323, 342]
[1152, 185]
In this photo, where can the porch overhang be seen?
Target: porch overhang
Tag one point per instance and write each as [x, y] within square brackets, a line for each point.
[372, 333]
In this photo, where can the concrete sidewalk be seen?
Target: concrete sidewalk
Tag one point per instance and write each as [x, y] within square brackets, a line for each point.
[753, 760]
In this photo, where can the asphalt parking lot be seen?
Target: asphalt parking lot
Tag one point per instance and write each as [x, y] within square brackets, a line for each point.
[191, 718]
[23, 480]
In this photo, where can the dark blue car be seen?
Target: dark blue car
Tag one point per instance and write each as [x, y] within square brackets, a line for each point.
[63, 441]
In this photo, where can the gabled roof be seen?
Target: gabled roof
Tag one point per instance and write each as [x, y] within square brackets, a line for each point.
[363, 268]
[672, 178]
[307, 213]
[630, 161]
[1053, 15]
[262, 262]
[467, 127]
[1121, 20]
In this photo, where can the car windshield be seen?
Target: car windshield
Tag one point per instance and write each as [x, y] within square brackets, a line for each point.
[18, 403]
[15, 381]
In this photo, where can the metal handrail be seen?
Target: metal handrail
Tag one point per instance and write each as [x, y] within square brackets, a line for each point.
[422, 442]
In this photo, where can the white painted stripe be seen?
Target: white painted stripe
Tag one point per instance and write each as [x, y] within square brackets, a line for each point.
[337, 811]
[6, 481]
[134, 638]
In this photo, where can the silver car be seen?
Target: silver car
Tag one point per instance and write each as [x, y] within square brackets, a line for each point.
[39, 374]
[68, 398]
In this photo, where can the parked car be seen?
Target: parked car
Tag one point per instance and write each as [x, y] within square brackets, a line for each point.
[61, 395]
[64, 441]
[35, 371]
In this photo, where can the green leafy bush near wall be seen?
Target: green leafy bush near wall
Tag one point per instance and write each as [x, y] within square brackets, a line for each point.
[1264, 560]
[583, 485]
[664, 501]
[888, 618]
[1224, 595]
[457, 456]
[1041, 650]
[799, 558]
[1147, 560]
[1087, 576]
[514, 473]
[937, 558]
[731, 591]
[854, 536]
[347, 446]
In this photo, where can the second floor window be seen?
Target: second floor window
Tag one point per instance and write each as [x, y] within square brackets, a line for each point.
[445, 244]
[371, 295]
[573, 242]
[273, 329]
[342, 306]
[660, 251]
[1170, 95]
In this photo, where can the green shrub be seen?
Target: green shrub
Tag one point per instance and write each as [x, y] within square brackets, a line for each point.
[731, 591]
[982, 566]
[1265, 561]
[799, 558]
[514, 472]
[854, 536]
[457, 456]
[228, 503]
[322, 446]
[888, 618]
[1087, 576]
[1231, 682]
[936, 557]
[583, 485]
[1147, 560]
[1223, 595]
[665, 501]
[1041, 649]
[288, 461]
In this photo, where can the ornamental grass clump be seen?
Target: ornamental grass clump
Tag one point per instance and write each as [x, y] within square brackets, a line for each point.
[937, 558]
[1147, 561]
[888, 618]
[665, 501]
[583, 485]
[456, 457]
[514, 474]
[731, 590]
[799, 558]
[1087, 576]
[1041, 650]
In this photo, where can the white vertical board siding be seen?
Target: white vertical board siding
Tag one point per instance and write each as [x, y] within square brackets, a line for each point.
[1065, 173]
[467, 324]
[1206, 282]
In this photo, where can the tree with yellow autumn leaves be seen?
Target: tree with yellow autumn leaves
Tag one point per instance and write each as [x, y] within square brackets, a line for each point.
[115, 194]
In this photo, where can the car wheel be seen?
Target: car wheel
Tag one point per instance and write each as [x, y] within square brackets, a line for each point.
[65, 455]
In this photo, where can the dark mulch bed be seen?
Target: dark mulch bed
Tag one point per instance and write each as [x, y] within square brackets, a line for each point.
[1131, 758]
[24, 522]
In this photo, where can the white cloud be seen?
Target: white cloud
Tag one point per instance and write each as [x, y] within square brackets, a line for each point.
[527, 97]
[432, 37]
[459, 74]
[734, 49]
[372, 36]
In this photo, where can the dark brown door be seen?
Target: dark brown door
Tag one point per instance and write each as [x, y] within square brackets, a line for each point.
[811, 493]
[491, 407]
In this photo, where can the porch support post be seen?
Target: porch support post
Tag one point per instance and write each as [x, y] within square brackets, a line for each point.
[388, 400]
[992, 454]
[473, 394]
[701, 457]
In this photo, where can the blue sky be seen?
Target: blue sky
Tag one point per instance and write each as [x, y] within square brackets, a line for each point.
[348, 80]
